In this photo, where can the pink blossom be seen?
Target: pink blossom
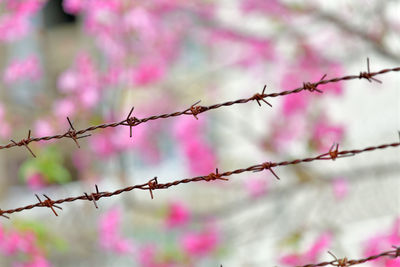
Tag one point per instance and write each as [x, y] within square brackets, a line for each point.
[37, 261]
[11, 243]
[143, 21]
[147, 257]
[13, 27]
[178, 215]
[189, 133]
[270, 7]
[311, 255]
[200, 155]
[109, 232]
[295, 104]
[325, 134]
[287, 131]
[73, 6]
[199, 244]
[43, 127]
[89, 97]
[64, 108]
[80, 160]
[253, 50]
[28, 68]
[382, 242]
[142, 141]
[340, 188]
[68, 81]
[5, 129]
[256, 187]
[147, 73]
[25, 7]
[35, 181]
[102, 144]
[186, 126]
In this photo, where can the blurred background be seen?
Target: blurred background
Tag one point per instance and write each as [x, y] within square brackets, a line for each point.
[93, 60]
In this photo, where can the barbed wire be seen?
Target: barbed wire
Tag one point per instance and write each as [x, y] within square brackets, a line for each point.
[194, 110]
[153, 184]
[344, 262]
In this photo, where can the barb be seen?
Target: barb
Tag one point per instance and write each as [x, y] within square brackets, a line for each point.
[368, 75]
[260, 97]
[194, 110]
[131, 121]
[346, 262]
[73, 134]
[48, 203]
[268, 166]
[154, 185]
[313, 86]
[93, 196]
[25, 142]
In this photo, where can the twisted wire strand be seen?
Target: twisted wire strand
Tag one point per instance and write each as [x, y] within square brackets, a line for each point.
[153, 184]
[346, 262]
[196, 109]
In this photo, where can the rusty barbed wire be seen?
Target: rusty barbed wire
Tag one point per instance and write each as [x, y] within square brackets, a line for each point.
[345, 262]
[153, 184]
[196, 109]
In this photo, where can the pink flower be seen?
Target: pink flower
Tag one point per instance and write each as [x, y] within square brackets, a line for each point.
[13, 27]
[382, 242]
[26, 7]
[73, 6]
[43, 128]
[102, 144]
[200, 244]
[186, 126]
[340, 188]
[68, 81]
[110, 238]
[37, 261]
[311, 255]
[256, 187]
[200, 155]
[148, 73]
[35, 181]
[178, 215]
[286, 131]
[147, 257]
[28, 68]
[270, 7]
[325, 134]
[64, 108]
[295, 104]
[189, 134]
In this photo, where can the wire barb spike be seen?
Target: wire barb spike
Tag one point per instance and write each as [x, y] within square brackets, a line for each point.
[152, 185]
[131, 121]
[309, 86]
[215, 176]
[195, 110]
[339, 262]
[268, 166]
[368, 75]
[2, 214]
[73, 135]
[94, 196]
[261, 97]
[25, 142]
[48, 203]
